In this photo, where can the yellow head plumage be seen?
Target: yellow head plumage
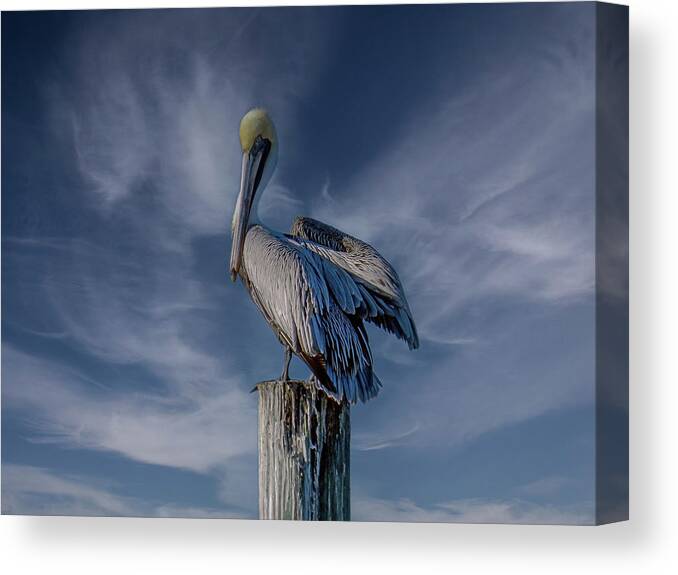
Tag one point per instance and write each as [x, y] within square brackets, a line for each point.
[255, 123]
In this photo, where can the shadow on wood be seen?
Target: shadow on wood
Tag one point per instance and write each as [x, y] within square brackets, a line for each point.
[304, 453]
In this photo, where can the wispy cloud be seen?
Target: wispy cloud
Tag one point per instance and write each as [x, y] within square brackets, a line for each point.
[372, 442]
[200, 433]
[38, 491]
[132, 307]
[30, 490]
[471, 511]
[488, 219]
[545, 487]
[279, 206]
[473, 206]
[166, 131]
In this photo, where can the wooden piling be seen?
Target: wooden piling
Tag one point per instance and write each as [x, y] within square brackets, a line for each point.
[304, 453]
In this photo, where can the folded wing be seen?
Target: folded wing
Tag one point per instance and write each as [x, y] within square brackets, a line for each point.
[315, 308]
[382, 299]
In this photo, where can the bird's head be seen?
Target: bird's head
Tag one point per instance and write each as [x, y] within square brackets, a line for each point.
[256, 124]
[259, 156]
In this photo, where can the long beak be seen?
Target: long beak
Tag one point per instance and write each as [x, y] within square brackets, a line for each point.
[249, 180]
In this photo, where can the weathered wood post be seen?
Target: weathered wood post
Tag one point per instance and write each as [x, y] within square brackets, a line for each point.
[304, 453]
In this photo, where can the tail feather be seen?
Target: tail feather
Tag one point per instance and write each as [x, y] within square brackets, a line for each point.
[361, 387]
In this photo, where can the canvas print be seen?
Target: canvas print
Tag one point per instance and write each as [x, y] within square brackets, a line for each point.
[317, 263]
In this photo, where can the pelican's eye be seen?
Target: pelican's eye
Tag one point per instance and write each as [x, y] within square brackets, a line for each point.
[261, 145]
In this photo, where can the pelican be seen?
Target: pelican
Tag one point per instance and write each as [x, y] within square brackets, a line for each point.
[315, 286]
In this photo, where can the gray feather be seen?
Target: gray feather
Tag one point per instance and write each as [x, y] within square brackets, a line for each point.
[315, 287]
[310, 304]
[379, 286]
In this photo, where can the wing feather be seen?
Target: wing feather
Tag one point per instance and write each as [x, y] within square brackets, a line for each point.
[312, 306]
[379, 297]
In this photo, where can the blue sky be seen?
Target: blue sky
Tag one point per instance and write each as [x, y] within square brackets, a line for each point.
[458, 140]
